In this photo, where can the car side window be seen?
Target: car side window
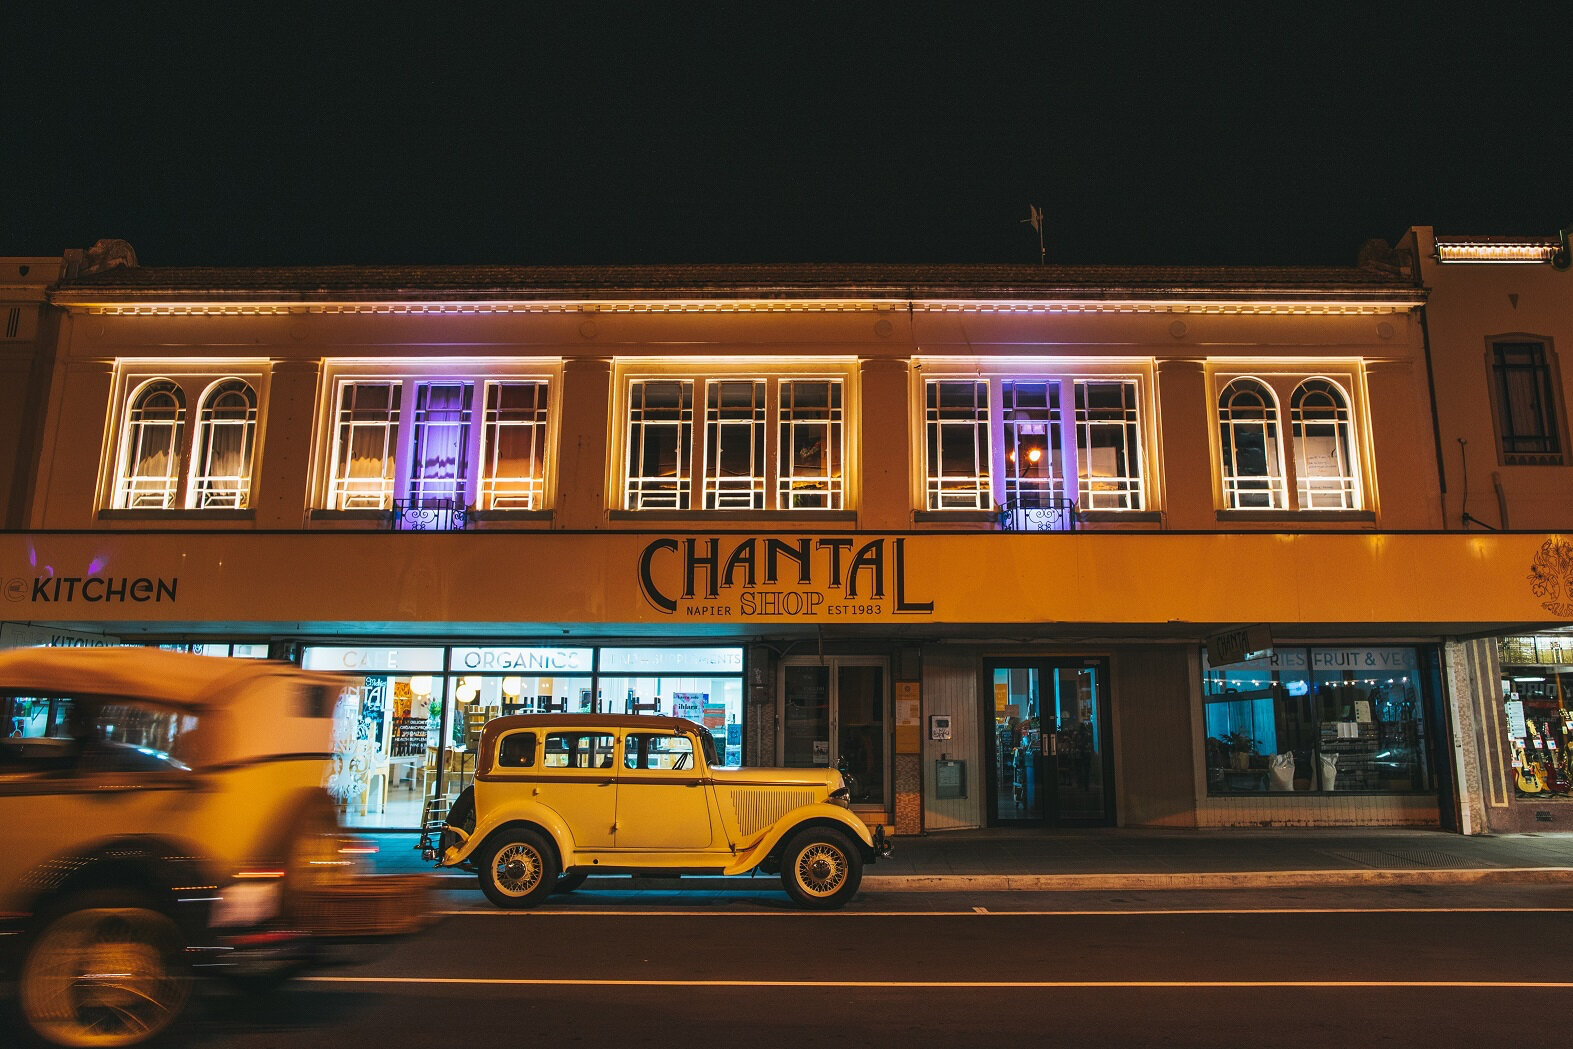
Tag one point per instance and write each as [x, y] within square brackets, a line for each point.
[579, 750]
[516, 751]
[643, 750]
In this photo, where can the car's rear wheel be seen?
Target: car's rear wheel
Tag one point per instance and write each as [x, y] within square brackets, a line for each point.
[106, 969]
[519, 868]
[820, 868]
[568, 881]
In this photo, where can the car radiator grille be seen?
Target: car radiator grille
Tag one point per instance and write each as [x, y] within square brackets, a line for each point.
[758, 809]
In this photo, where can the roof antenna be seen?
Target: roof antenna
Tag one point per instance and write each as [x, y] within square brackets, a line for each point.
[1035, 220]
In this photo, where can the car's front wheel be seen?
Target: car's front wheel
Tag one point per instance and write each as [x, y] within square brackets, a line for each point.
[104, 970]
[518, 868]
[821, 868]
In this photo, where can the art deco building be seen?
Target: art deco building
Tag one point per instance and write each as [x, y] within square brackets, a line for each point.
[1009, 544]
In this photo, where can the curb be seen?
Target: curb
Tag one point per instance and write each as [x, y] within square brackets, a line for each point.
[1131, 882]
[1305, 879]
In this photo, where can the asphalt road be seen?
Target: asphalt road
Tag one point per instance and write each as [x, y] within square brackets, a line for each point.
[1319, 968]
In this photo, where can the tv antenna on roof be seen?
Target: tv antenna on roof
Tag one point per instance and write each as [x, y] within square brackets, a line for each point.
[1035, 220]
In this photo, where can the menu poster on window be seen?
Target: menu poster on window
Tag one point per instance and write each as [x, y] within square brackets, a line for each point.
[371, 707]
[690, 705]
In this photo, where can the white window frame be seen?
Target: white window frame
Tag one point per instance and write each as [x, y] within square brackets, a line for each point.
[764, 425]
[473, 487]
[186, 485]
[514, 491]
[1337, 489]
[230, 490]
[1346, 489]
[1247, 413]
[1070, 437]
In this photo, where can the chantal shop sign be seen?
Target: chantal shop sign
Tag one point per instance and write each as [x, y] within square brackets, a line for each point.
[732, 577]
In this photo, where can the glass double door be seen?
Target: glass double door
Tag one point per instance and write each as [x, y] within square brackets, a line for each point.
[1050, 762]
[834, 716]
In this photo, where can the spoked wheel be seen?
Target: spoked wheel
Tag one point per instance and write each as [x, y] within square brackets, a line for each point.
[821, 869]
[105, 971]
[519, 869]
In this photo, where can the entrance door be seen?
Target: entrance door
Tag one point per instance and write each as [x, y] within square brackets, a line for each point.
[834, 717]
[1050, 761]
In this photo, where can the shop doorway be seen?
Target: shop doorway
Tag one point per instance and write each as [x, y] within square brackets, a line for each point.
[835, 715]
[1050, 760]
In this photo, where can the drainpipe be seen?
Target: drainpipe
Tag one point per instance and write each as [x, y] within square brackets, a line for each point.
[1436, 424]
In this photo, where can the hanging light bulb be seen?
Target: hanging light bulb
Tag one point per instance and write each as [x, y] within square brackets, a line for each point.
[420, 684]
[510, 686]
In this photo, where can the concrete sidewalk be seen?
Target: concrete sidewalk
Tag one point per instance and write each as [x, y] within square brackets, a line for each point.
[1112, 859]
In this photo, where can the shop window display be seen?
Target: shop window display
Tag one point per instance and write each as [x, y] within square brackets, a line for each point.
[1537, 706]
[1346, 719]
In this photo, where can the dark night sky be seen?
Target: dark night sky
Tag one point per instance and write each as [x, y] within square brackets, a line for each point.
[1192, 133]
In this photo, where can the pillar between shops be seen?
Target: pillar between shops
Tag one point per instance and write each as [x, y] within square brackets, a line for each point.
[907, 768]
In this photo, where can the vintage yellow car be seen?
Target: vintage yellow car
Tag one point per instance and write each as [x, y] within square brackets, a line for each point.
[165, 816]
[558, 797]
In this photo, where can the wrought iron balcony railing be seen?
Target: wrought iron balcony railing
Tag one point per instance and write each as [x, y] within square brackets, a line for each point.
[428, 515]
[1038, 515]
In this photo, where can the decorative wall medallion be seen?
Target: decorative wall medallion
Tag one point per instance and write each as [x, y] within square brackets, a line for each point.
[1551, 576]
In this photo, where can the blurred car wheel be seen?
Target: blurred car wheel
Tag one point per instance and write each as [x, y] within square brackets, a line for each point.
[106, 969]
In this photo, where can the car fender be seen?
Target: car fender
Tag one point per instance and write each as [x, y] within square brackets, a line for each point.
[818, 814]
[527, 812]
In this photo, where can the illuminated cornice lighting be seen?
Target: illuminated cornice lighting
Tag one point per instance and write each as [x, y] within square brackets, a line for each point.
[1496, 249]
[1331, 305]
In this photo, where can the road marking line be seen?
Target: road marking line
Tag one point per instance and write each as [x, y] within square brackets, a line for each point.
[1550, 985]
[643, 913]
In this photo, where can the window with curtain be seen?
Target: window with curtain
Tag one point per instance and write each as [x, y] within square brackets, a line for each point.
[514, 446]
[226, 435]
[151, 444]
[1323, 434]
[439, 455]
[365, 446]
[1248, 434]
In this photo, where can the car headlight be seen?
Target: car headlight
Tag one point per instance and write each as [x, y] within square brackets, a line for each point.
[841, 796]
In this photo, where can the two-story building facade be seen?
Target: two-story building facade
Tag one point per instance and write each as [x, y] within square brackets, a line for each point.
[1036, 545]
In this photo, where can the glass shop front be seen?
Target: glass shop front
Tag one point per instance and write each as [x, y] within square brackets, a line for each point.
[1537, 712]
[1323, 719]
[409, 718]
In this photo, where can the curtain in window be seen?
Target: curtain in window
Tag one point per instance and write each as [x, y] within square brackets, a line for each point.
[226, 431]
[439, 464]
[150, 457]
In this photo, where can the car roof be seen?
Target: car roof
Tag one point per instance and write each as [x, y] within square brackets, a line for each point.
[658, 722]
[174, 678]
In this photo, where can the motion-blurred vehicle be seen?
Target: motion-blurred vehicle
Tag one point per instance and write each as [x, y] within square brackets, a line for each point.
[165, 816]
[560, 796]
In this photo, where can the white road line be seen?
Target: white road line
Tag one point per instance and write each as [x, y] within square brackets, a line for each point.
[1549, 985]
[977, 911]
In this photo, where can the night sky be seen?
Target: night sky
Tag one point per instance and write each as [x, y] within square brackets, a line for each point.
[1189, 132]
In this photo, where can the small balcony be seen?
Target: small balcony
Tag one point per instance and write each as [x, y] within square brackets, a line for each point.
[1036, 514]
[428, 515]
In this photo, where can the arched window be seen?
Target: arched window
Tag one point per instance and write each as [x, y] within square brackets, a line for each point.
[226, 433]
[1324, 459]
[1253, 476]
[149, 475]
